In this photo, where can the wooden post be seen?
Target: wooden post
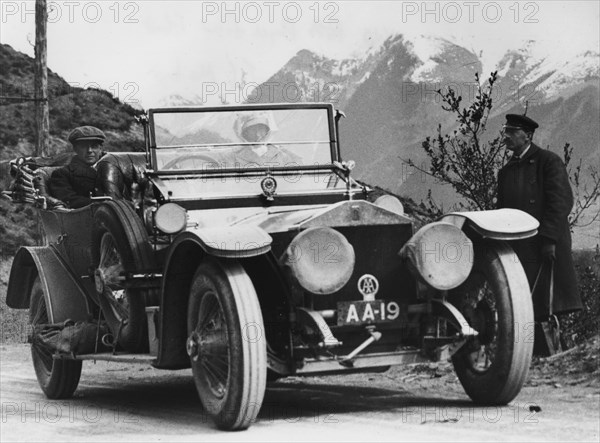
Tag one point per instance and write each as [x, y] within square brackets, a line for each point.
[42, 116]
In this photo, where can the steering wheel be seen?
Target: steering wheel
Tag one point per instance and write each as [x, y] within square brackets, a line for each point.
[176, 162]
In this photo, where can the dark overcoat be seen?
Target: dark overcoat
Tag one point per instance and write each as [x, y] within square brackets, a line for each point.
[74, 183]
[538, 184]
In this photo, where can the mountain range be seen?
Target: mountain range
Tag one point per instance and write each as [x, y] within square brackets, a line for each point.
[391, 105]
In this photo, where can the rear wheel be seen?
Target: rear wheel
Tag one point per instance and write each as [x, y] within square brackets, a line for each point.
[57, 378]
[496, 302]
[226, 344]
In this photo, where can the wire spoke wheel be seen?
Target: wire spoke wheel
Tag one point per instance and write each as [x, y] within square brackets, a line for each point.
[57, 378]
[496, 302]
[478, 305]
[229, 369]
[112, 270]
[39, 316]
[213, 353]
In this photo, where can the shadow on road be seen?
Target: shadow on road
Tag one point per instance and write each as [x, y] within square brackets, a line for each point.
[175, 398]
[301, 399]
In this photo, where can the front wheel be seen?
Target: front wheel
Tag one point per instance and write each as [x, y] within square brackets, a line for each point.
[57, 378]
[226, 344]
[496, 302]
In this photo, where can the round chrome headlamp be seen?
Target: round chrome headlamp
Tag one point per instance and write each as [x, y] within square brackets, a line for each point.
[170, 218]
[440, 255]
[321, 259]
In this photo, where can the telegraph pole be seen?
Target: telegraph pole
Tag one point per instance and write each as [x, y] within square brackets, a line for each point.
[42, 116]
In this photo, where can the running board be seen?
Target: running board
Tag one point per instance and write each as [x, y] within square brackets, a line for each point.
[109, 356]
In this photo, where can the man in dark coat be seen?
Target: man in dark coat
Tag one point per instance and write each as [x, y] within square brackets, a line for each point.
[536, 181]
[76, 182]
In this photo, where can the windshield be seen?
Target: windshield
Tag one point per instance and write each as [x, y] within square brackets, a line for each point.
[224, 139]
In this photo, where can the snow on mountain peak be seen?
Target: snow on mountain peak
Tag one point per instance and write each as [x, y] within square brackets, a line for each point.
[549, 68]
[431, 51]
[426, 47]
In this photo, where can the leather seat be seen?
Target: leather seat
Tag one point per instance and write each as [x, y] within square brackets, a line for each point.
[118, 172]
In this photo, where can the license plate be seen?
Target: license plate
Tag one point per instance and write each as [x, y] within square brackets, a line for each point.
[367, 312]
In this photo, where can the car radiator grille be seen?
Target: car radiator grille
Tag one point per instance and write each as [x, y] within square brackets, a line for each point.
[376, 250]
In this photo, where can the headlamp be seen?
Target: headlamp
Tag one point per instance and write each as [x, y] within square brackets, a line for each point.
[170, 218]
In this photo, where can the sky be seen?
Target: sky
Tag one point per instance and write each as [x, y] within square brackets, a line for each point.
[147, 50]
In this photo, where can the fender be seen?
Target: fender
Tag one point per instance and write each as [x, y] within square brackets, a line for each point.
[229, 241]
[183, 257]
[65, 297]
[496, 224]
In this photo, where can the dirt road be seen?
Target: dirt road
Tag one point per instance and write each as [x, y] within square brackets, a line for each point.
[124, 402]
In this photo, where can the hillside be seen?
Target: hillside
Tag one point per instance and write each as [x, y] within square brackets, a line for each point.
[69, 107]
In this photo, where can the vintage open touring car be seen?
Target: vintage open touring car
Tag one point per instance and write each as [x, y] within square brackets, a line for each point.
[238, 244]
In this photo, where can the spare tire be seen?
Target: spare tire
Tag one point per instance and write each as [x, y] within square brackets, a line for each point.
[121, 247]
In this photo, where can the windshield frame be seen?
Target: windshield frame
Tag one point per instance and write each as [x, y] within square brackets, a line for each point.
[333, 139]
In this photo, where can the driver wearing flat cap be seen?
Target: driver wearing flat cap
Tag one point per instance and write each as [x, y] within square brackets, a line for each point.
[76, 182]
[535, 180]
